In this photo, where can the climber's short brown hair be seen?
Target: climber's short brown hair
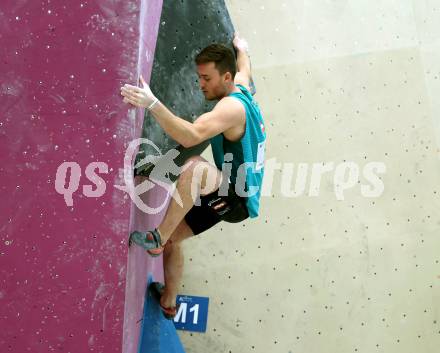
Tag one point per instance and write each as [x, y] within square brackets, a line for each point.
[221, 55]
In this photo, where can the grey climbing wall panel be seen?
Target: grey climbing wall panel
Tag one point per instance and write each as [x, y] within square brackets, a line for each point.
[185, 28]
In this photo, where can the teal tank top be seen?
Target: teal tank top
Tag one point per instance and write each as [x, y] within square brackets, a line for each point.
[247, 165]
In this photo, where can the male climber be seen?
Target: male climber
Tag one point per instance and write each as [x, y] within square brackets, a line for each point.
[227, 191]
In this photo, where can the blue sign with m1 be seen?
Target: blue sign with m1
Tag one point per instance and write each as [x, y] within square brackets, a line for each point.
[192, 314]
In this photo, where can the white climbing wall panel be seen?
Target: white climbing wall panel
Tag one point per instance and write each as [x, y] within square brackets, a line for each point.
[345, 256]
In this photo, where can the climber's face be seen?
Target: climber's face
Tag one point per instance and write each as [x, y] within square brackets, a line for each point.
[213, 84]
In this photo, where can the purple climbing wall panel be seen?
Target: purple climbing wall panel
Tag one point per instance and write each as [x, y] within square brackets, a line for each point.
[63, 261]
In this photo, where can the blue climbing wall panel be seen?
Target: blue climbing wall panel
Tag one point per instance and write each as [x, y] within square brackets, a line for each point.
[158, 335]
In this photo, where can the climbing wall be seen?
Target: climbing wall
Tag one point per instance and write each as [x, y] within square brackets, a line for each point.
[63, 136]
[344, 257]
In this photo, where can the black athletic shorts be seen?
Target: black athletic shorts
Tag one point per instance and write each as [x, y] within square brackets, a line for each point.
[214, 208]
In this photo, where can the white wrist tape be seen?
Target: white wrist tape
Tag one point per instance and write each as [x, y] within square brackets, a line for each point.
[153, 104]
[243, 45]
